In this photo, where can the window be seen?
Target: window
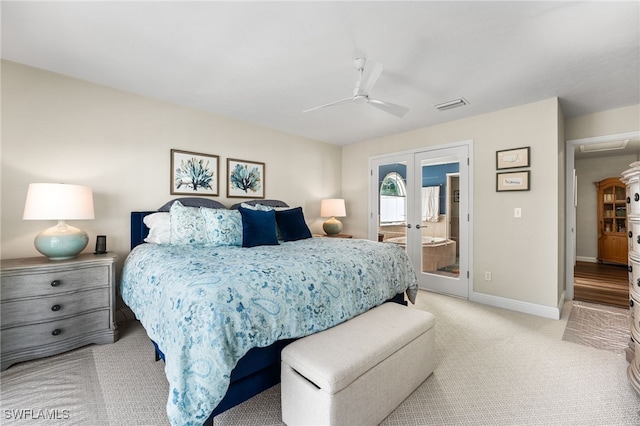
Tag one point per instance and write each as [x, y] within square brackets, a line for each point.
[393, 197]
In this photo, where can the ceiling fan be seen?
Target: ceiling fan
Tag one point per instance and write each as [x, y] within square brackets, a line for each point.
[369, 71]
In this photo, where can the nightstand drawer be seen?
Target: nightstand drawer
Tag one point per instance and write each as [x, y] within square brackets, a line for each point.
[50, 283]
[50, 333]
[27, 311]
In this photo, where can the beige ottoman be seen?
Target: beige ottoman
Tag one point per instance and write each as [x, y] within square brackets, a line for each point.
[358, 372]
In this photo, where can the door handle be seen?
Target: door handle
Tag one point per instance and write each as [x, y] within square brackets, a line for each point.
[418, 226]
[409, 225]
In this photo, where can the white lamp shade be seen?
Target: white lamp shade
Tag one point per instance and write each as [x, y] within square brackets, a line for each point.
[333, 207]
[58, 201]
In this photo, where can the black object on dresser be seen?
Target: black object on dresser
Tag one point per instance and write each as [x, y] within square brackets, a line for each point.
[49, 307]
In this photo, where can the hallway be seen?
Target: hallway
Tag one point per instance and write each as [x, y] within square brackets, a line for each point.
[601, 283]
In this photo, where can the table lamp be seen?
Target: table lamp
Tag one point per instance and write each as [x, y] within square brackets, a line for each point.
[61, 202]
[332, 208]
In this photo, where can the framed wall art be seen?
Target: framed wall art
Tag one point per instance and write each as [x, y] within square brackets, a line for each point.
[245, 179]
[512, 181]
[193, 173]
[512, 158]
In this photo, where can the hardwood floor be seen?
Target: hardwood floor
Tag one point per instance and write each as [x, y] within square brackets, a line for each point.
[601, 283]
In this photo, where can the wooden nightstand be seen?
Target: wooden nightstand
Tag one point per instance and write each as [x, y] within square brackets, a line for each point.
[334, 236]
[49, 307]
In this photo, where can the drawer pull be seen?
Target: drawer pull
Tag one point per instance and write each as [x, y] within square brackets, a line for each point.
[628, 200]
[630, 268]
[55, 283]
[56, 308]
[636, 197]
[631, 303]
[630, 234]
[638, 239]
[638, 282]
[56, 332]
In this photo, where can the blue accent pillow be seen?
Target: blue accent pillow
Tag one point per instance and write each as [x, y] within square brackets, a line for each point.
[292, 225]
[258, 228]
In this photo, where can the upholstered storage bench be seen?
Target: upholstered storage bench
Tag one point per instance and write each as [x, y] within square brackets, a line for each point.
[358, 372]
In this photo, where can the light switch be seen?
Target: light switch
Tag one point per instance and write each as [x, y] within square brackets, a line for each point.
[517, 212]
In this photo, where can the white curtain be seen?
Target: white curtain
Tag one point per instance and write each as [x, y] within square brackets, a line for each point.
[431, 203]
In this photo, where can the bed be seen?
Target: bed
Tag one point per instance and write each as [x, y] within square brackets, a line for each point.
[220, 313]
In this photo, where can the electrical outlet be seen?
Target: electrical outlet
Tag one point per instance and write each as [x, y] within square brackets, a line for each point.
[487, 276]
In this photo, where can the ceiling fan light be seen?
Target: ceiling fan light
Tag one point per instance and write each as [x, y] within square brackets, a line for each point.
[454, 103]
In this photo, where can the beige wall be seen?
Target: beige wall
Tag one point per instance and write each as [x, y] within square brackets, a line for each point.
[60, 129]
[620, 120]
[522, 254]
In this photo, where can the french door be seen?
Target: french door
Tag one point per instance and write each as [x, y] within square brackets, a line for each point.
[420, 201]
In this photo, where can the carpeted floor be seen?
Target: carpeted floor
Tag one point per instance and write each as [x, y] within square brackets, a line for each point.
[494, 367]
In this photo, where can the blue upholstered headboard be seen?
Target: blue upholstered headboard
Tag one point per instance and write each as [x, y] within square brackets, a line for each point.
[139, 230]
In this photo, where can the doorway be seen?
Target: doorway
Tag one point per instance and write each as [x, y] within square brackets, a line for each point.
[420, 201]
[574, 268]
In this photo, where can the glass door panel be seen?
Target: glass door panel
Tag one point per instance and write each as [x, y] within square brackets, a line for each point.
[391, 178]
[440, 242]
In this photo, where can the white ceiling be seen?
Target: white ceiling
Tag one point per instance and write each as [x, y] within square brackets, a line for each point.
[266, 62]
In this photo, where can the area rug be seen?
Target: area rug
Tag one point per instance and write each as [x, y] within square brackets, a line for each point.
[600, 326]
[62, 389]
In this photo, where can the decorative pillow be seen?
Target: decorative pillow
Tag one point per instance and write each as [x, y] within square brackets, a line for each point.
[292, 225]
[265, 208]
[222, 227]
[258, 227]
[187, 225]
[159, 228]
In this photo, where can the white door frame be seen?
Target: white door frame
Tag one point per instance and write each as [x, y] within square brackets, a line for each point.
[570, 198]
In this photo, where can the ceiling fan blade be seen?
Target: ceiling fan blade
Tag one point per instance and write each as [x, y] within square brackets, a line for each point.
[341, 101]
[370, 74]
[393, 109]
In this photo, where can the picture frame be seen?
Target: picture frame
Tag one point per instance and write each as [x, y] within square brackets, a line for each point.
[245, 179]
[513, 181]
[194, 173]
[513, 158]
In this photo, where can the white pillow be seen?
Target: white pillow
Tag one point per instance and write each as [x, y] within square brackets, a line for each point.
[159, 228]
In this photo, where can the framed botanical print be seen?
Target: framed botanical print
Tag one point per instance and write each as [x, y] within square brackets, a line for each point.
[245, 179]
[193, 173]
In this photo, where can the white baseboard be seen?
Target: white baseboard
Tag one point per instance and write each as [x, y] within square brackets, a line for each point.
[587, 259]
[517, 305]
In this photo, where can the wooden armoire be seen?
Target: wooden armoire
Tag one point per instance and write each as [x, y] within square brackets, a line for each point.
[612, 221]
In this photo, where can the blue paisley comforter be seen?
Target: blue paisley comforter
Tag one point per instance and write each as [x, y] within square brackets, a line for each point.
[207, 306]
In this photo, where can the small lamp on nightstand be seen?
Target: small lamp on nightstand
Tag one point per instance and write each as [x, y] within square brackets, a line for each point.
[332, 208]
[61, 202]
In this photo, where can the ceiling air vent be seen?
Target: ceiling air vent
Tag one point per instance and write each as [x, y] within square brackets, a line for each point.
[454, 103]
[604, 146]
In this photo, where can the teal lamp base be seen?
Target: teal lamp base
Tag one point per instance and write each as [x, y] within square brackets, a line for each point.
[61, 242]
[332, 226]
